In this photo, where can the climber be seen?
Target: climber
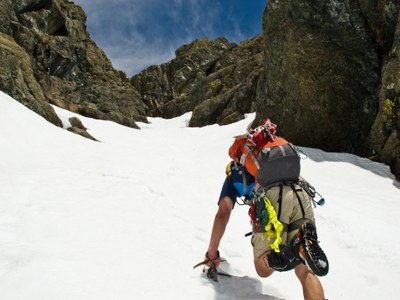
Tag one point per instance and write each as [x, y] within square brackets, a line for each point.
[265, 173]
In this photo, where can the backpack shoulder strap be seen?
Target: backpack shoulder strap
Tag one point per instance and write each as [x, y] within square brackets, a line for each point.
[251, 154]
[298, 197]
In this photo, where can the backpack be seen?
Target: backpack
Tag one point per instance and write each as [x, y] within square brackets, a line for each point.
[269, 158]
[278, 164]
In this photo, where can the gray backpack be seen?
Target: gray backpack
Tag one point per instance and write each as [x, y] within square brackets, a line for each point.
[278, 164]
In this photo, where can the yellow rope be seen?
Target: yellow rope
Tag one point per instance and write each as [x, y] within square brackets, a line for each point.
[274, 227]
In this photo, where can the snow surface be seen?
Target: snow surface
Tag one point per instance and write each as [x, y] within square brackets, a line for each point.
[129, 217]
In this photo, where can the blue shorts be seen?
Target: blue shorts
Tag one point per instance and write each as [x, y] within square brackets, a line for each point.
[235, 187]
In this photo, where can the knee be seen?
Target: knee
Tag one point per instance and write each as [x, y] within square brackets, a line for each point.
[263, 272]
[262, 267]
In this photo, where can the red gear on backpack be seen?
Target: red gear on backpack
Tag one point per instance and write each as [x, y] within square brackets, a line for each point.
[262, 133]
[270, 127]
[256, 136]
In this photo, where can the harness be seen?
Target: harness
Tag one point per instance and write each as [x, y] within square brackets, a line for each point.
[286, 227]
[296, 224]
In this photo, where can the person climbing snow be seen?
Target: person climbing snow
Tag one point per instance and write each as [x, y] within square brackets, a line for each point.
[265, 173]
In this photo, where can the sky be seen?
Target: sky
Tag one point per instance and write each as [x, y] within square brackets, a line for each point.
[129, 216]
[138, 33]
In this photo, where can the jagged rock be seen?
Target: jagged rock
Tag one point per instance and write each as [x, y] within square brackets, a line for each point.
[22, 6]
[321, 73]
[214, 79]
[383, 143]
[76, 122]
[81, 132]
[327, 69]
[7, 16]
[18, 80]
[78, 128]
[69, 68]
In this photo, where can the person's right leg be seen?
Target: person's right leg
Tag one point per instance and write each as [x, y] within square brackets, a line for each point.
[260, 251]
[312, 288]
[262, 267]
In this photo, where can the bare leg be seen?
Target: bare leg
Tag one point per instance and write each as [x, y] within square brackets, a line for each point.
[262, 267]
[312, 288]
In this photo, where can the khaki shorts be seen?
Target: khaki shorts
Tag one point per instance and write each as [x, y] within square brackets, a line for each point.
[290, 212]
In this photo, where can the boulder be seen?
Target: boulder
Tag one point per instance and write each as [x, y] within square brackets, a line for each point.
[330, 75]
[321, 73]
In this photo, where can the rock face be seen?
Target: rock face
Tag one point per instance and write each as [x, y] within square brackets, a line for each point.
[217, 80]
[327, 71]
[17, 76]
[48, 57]
[18, 80]
[329, 68]
[383, 142]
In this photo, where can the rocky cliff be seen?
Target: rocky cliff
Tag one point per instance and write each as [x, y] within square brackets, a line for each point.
[48, 57]
[331, 75]
[327, 71]
[217, 80]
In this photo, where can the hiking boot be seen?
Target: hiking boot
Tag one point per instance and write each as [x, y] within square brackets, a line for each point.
[310, 251]
[279, 262]
[289, 257]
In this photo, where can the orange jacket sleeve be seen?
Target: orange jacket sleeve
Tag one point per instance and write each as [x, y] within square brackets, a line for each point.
[236, 148]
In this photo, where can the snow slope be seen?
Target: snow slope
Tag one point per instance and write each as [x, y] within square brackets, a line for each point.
[128, 217]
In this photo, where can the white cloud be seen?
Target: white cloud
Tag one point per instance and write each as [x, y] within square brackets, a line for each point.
[137, 33]
[134, 55]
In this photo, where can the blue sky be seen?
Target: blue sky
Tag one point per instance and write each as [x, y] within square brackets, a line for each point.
[138, 33]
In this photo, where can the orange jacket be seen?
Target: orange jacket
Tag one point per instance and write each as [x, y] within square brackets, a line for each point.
[241, 146]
